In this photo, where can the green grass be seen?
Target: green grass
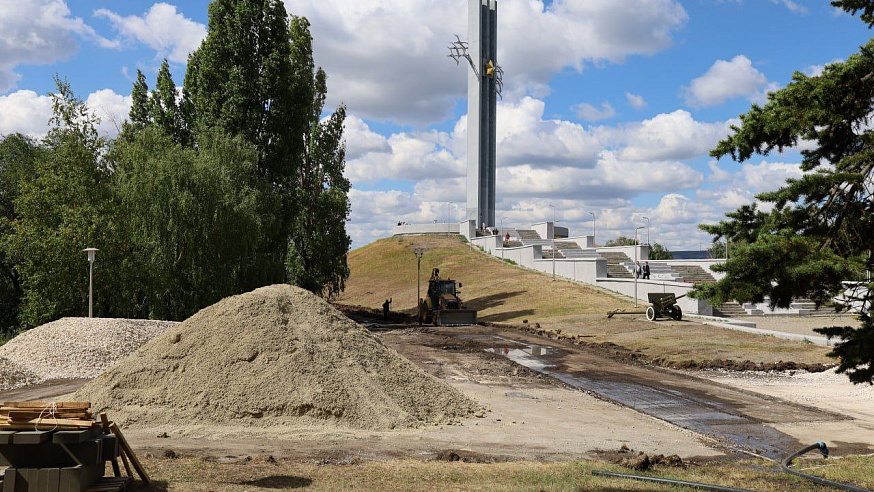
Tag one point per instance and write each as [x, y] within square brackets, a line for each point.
[505, 293]
[195, 474]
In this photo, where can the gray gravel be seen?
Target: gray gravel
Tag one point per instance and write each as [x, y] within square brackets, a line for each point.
[75, 347]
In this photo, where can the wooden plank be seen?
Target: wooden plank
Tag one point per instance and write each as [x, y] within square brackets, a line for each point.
[82, 405]
[24, 415]
[6, 436]
[41, 427]
[104, 422]
[126, 449]
[31, 437]
[126, 464]
[75, 423]
[107, 484]
[76, 436]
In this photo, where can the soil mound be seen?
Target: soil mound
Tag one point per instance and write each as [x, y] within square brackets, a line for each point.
[278, 355]
[79, 347]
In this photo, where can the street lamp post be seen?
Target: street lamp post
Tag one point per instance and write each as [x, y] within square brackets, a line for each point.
[553, 242]
[419, 252]
[593, 228]
[647, 229]
[502, 239]
[92, 253]
[636, 268]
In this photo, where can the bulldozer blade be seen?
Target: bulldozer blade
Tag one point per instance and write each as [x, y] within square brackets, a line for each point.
[455, 317]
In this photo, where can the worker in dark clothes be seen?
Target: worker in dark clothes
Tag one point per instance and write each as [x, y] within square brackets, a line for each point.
[385, 307]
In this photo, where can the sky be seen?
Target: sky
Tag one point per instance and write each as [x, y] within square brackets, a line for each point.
[609, 106]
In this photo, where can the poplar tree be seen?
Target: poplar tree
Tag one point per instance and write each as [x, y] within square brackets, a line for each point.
[819, 232]
[254, 77]
[239, 82]
[319, 243]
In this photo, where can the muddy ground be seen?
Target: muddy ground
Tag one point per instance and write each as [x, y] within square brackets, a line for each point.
[529, 416]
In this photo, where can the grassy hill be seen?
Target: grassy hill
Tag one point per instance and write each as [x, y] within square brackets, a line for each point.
[506, 293]
[499, 291]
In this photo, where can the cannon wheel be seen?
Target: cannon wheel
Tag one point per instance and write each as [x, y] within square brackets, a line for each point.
[650, 313]
[677, 313]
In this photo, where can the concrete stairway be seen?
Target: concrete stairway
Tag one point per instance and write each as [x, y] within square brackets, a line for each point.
[572, 250]
[729, 310]
[693, 275]
[614, 264]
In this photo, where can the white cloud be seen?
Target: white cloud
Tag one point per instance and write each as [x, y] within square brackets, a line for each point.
[111, 108]
[387, 65]
[525, 137]
[411, 156]
[727, 80]
[717, 174]
[635, 100]
[587, 112]
[792, 6]
[673, 135]
[25, 112]
[28, 113]
[38, 32]
[767, 176]
[162, 28]
[675, 208]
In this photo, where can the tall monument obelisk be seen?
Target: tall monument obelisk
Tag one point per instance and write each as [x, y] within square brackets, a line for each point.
[482, 93]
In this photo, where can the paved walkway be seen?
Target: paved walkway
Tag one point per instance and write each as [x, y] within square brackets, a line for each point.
[798, 328]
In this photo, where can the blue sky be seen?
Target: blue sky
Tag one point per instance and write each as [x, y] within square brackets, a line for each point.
[609, 106]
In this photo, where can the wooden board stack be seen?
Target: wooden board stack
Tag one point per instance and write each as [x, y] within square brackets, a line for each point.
[38, 415]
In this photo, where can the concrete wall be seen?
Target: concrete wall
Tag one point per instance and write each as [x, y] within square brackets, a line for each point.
[544, 229]
[579, 270]
[705, 264]
[642, 251]
[584, 242]
[586, 270]
[435, 228]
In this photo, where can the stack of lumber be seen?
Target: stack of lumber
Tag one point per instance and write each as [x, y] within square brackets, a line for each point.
[39, 415]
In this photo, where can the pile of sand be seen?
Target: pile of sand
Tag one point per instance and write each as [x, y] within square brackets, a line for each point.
[79, 347]
[276, 356]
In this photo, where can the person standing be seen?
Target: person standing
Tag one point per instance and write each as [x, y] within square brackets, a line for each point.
[636, 269]
[385, 309]
[646, 269]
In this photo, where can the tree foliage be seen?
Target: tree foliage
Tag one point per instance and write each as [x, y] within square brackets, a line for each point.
[61, 209]
[818, 233]
[621, 241]
[241, 81]
[191, 219]
[18, 157]
[659, 252]
[318, 246]
[265, 88]
[237, 185]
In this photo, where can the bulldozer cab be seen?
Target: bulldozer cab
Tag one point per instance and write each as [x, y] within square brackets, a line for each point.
[440, 287]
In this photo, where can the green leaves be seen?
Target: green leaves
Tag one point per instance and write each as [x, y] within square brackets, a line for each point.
[191, 218]
[818, 232]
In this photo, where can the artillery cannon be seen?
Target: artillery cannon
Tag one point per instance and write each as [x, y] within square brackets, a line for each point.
[664, 305]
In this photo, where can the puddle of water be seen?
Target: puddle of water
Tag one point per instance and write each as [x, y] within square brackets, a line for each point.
[704, 416]
[528, 355]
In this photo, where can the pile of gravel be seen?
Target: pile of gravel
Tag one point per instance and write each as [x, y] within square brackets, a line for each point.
[79, 347]
[13, 375]
[277, 356]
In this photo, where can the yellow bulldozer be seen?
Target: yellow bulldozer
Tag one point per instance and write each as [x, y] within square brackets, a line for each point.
[442, 306]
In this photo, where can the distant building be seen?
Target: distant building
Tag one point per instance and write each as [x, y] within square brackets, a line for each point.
[691, 255]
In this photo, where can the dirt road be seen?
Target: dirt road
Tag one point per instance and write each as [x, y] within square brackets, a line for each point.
[530, 416]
